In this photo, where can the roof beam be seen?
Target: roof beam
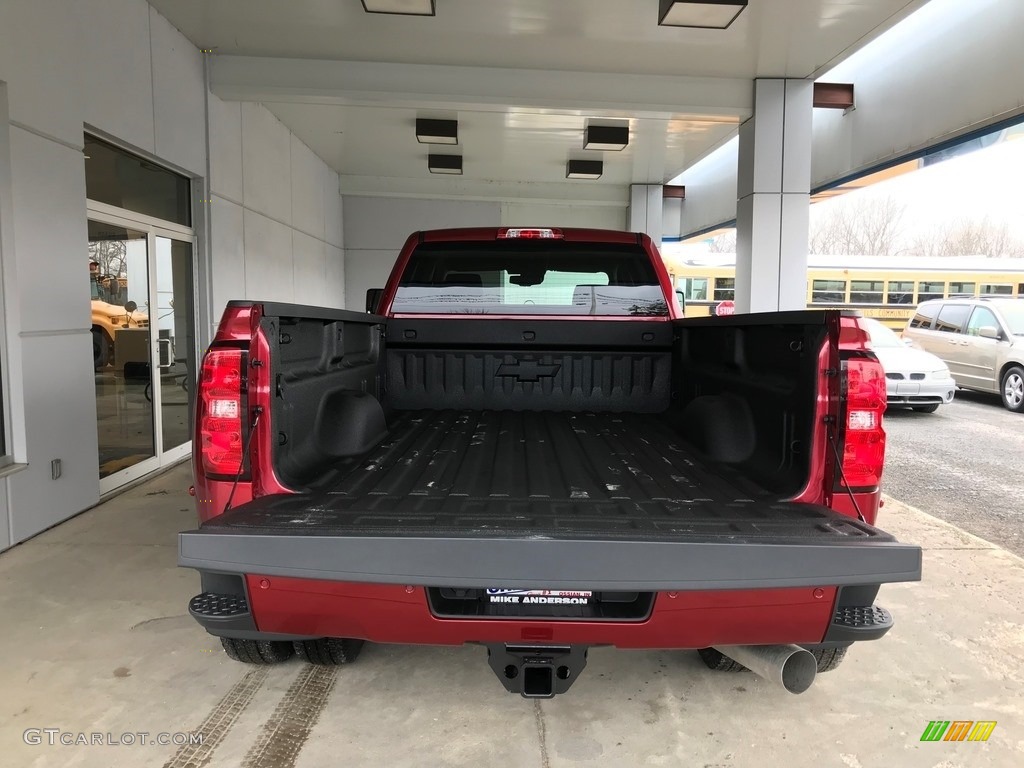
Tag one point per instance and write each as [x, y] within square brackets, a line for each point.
[311, 81]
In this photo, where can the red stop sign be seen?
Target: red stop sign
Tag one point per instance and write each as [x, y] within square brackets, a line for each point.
[725, 308]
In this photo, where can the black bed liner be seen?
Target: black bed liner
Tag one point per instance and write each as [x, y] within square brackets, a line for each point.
[545, 500]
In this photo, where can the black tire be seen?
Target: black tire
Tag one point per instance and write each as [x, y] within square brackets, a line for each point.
[257, 651]
[100, 349]
[329, 651]
[927, 408]
[830, 658]
[1011, 389]
[718, 661]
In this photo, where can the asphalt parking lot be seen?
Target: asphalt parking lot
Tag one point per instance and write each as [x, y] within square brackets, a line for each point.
[964, 464]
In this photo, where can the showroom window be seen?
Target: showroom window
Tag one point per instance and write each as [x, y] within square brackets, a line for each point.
[725, 288]
[120, 179]
[141, 289]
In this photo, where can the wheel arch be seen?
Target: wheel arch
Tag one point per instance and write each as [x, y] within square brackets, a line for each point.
[1006, 367]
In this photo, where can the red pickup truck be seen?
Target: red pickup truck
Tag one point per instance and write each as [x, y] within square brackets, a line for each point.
[525, 446]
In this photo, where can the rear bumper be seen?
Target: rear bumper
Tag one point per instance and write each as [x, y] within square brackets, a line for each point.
[543, 563]
[279, 609]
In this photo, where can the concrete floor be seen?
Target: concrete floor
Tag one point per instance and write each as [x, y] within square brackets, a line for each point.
[95, 638]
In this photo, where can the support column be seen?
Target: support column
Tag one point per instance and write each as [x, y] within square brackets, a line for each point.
[645, 210]
[774, 197]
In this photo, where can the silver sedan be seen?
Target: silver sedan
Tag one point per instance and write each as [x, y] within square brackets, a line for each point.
[913, 378]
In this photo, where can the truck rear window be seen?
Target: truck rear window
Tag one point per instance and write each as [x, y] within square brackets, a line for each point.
[531, 278]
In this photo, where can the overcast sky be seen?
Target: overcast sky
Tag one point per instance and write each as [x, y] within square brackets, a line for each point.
[988, 182]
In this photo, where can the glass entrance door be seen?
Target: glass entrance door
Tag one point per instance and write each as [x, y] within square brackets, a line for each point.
[121, 345]
[144, 344]
[175, 330]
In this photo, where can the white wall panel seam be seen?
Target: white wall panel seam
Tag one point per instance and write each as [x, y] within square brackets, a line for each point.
[47, 136]
[228, 199]
[53, 332]
[271, 218]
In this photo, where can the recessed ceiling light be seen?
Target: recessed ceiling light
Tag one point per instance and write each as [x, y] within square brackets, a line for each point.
[403, 7]
[584, 169]
[451, 164]
[437, 131]
[703, 14]
[608, 137]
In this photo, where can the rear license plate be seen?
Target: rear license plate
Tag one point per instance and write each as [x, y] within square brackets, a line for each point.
[539, 596]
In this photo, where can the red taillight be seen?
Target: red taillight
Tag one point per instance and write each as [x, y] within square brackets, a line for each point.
[531, 234]
[221, 426]
[864, 448]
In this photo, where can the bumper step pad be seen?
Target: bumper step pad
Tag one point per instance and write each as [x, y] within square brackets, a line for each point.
[859, 622]
[222, 614]
[219, 606]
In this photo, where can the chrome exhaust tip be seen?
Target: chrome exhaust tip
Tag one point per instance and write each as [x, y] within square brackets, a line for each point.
[792, 667]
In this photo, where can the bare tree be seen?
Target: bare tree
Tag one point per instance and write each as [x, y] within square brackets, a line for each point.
[970, 237]
[870, 227]
[110, 255]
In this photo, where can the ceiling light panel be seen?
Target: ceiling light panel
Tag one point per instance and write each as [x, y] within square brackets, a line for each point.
[401, 7]
[703, 14]
[612, 138]
[437, 131]
[449, 164]
[584, 169]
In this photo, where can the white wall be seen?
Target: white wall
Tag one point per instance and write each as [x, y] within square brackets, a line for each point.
[119, 68]
[276, 214]
[377, 227]
[711, 192]
[951, 68]
[123, 70]
[571, 215]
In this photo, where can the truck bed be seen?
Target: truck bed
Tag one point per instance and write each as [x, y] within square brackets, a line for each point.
[505, 473]
[583, 496]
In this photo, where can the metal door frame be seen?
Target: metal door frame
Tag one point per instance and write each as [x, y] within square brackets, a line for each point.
[153, 228]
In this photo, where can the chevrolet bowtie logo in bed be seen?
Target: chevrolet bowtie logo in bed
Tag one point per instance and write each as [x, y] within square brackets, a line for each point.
[527, 370]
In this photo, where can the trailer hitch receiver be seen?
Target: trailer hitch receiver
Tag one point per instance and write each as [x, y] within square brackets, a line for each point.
[537, 671]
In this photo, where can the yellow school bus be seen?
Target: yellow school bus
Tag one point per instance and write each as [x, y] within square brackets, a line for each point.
[885, 288]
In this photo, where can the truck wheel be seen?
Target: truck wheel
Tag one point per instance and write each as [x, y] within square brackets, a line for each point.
[257, 651]
[926, 408]
[329, 651]
[1012, 389]
[830, 658]
[718, 661]
[100, 349]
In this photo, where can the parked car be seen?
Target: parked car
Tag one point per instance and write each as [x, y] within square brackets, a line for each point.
[524, 446]
[913, 378]
[981, 340]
